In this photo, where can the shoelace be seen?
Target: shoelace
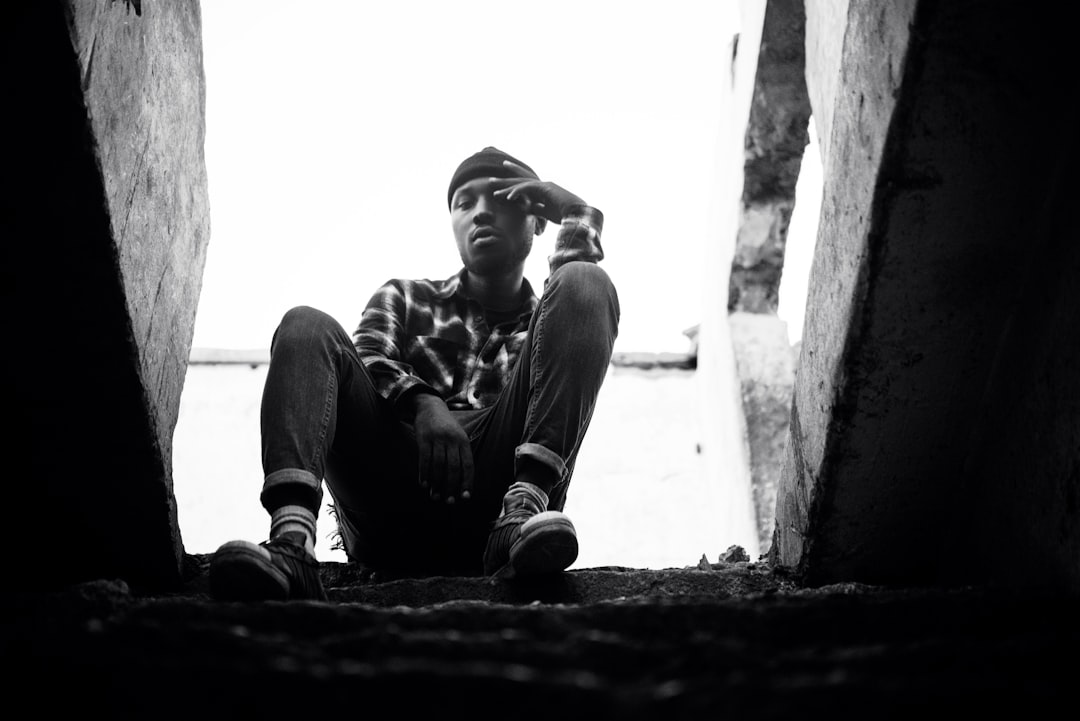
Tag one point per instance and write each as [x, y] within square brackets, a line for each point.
[302, 569]
[521, 502]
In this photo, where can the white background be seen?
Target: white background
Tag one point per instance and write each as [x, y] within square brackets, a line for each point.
[333, 129]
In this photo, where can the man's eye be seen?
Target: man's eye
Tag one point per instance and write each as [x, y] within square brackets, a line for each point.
[519, 202]
[463, 204]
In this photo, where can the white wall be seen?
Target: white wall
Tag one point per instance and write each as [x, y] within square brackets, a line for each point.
[638, 497]
[725, 451]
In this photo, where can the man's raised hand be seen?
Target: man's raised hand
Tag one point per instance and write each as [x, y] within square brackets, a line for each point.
[536, 197]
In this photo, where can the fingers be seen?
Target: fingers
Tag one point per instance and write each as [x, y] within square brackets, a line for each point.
[525, 182]
[444, 456]
[515, 166]
[452, 473]
[466, 472]
[432, 470]
[424, 466]
[527, 194]
[534, 197]
[459, 472]
[525, 203]
[503, 183]
[514, 188]
[446, 471]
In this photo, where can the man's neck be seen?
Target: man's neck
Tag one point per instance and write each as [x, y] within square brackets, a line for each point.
[501, 292]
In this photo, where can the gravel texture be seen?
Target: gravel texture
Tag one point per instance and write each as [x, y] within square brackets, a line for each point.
[720, 638]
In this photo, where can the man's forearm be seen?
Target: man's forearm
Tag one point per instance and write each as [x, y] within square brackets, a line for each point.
[419, 401]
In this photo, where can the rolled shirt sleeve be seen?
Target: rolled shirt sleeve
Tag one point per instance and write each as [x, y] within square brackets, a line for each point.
[579, 237]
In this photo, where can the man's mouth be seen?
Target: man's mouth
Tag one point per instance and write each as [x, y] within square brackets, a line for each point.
[484, 233]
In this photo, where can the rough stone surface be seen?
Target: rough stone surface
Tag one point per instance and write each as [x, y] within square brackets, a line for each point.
[864, 105]
[824, 46]
[733, 639]
[936, 406]
[776, 136]
[110, 219]
[766, 366]
[144, 89]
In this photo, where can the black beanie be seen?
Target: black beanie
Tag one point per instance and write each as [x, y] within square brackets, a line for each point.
[485, 164]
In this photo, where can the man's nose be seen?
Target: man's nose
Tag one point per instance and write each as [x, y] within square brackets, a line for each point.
[484, 210]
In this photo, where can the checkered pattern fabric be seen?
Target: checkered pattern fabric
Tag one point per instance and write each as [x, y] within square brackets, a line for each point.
[431, 334]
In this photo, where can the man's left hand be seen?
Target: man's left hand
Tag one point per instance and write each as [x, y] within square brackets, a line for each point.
[541, 198]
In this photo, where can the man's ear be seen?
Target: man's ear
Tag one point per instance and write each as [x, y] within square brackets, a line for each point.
[541, 224]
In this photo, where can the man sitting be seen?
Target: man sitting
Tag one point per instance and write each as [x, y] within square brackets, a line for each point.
[448, 425]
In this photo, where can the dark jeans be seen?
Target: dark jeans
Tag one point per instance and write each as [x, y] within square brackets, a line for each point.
[323, 419]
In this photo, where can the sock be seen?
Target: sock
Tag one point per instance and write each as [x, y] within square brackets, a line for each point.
[531, 471]
[520, 493]
[294, 519]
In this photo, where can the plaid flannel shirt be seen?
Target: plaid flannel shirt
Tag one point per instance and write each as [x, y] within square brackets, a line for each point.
[429, 336]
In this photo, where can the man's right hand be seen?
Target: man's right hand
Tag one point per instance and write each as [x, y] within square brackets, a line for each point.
[445, 455]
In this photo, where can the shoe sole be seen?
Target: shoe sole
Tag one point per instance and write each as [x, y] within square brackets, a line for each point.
[547, 544]
[244, 571]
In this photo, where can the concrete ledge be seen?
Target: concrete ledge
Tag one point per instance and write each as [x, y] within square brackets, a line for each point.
[229, 356]
[261, 356]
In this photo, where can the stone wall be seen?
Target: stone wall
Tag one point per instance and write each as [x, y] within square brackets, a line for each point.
[935, 434]
[765, 362]
[108, 226]
[143, 85]
[826, 21]
[774, 140]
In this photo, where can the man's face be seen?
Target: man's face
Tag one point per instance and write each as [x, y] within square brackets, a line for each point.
[493, 236]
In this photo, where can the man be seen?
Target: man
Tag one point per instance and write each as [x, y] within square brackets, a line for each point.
[447, 427]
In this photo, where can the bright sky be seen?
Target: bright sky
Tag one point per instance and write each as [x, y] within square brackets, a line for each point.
[333, 129]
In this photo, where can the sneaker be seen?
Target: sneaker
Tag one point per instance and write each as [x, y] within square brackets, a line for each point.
[526, 539]
[277, 570]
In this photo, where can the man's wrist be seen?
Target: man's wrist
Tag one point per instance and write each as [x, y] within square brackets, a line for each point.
[584, 214]
[416, 401]
[424, 400]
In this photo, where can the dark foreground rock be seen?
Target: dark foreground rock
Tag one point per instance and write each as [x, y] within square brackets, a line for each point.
[707, 641]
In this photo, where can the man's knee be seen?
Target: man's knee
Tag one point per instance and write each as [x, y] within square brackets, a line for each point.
[304, 324]
[304, 316]
[584, 283]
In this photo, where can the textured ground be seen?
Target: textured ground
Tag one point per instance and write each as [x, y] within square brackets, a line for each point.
[725, 638]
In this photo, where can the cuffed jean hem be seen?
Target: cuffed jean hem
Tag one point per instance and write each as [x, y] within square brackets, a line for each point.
[541, 454]
[294, 477]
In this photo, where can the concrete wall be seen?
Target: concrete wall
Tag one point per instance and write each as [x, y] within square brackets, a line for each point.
[935, 435]
[107, 223]
[725, 448]
[865, 101]
[144, 91]
[765, 363]
[826, 21]
[775, 138]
